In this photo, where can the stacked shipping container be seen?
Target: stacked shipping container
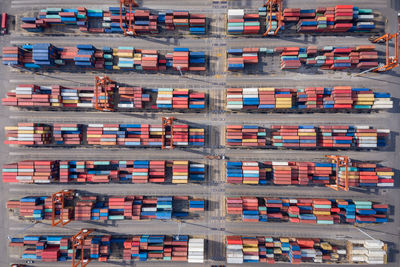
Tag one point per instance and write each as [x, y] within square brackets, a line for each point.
[310, 98]
[306, 210]
[270, 250]
[307, 173]
[306, 136]
[56, 96]
[337, 19]
[326, 58]
[139, 135]
[237, 58]
[241, 23]
[88, 208]
[143, 21]
[104, 171]
[87, 56]
[137, 247]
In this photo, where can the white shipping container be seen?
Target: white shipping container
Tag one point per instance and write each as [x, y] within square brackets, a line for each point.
[280, 163]
[86, 94]
[197, 165]
[42, 181]
[235, 260]
[373, 244]
[249, 163]
[85, 105]
[125, 105]
[246, 90]
[95, 125]
[234, 106]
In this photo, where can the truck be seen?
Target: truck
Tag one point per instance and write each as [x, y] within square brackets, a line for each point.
[3, 23]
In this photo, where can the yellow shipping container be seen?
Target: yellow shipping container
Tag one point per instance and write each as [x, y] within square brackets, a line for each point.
[70, 101]
[181, 162]
[306, 134]
[179, 181]
[385, 173]
[249, 140]
[11, 128]
[94, 135]
[366, 134]
[119, 54]
[250, 249]
[277, 251]
[250, 182]
[284, 240]
[316, 212]
[180, 173]
[26, 131]
[326, 246]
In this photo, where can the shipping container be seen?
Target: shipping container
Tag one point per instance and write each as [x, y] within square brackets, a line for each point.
[299, 250]
[56, 97]
[310, 98]
[307, 136]
[326, 20]
[360, 174]
[306, 210]
[104, 171]
[102, 248]
[45, 55]
[95, 208]
[142, 21]
[129, 135]
[325, 58]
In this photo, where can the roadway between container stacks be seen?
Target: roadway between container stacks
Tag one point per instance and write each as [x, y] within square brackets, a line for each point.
[201, 119]
[149, 42]
[151, 4]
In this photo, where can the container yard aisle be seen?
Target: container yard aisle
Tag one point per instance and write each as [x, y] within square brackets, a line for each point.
[214, 224]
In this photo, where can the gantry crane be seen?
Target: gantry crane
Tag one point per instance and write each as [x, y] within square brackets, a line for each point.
[167, 122]
[274, 5]
[102, 85]
[78, 242]
[59, 198]
[391, 62]
[128, 21]
[340, 161]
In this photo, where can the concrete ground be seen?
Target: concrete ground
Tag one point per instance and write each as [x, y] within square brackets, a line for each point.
[213, 225]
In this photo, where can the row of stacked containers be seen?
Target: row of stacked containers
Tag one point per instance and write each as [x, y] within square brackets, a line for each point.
[122, 98]
[102, 21]
[338, 19]
[88, 208]
[51, 248]
[138, 135]
[360, 174]
[310, 98]
[270, 250]
[324, 58]
[306, 136]
[306, 210]
[104, 171]
[46, 55]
